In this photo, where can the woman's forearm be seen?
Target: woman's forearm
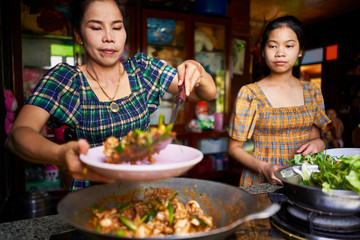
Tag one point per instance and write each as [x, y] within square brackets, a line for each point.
[32, 146]
[207, 88]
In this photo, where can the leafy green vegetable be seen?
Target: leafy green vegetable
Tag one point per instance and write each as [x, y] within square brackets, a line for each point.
[343, 173]
[317, 158]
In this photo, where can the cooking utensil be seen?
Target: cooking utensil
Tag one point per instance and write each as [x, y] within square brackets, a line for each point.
[172, 161]
[229, 205]
[341, 201]
[179, 99]
[342, 152]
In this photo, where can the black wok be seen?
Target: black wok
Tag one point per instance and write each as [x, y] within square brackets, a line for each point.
[339, 202]
[229, 205]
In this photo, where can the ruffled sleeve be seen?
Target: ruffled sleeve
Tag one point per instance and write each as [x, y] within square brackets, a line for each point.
[57, 92]
[155, 77]
[321, 119]
[244, 115]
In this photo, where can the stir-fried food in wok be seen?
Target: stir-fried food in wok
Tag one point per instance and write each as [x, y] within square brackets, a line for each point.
[155, 217]
[138, 143]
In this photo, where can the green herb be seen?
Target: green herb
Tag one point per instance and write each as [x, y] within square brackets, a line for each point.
[171, 214]
[128, 223]
[120, 233]
[343, 173]
[201, 221]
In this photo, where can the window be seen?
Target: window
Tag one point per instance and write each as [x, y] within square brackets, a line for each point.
[313, 56]
[61, 53]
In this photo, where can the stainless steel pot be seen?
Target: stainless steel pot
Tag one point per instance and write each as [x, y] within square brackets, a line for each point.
[229, 205]
[340, 201]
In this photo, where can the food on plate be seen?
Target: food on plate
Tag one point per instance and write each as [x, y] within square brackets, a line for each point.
[137, 142]
[154, 217]
[341, 173]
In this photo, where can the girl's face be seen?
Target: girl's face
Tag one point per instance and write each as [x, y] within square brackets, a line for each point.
[102, 32]
[281, 50]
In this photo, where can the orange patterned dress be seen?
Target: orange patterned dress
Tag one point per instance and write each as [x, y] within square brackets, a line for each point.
[277, 132]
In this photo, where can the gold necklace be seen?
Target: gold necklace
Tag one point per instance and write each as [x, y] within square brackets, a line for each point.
[114, 107]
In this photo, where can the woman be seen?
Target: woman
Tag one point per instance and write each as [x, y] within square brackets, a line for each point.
[280, 112]
[101, 98]
[333, 132]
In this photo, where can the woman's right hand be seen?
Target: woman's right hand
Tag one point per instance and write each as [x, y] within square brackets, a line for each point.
[78, 170]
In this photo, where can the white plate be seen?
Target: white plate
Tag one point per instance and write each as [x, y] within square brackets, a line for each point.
[338, 152]
[172, 161]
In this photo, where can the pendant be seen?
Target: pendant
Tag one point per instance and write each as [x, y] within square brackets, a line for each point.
[114, 107]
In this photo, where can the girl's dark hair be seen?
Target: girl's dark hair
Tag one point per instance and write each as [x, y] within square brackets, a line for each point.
[79, 7]
[288, 21]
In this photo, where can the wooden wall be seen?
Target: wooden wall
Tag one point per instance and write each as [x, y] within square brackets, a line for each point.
[239, 12]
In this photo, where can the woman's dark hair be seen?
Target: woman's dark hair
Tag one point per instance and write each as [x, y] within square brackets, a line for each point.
[288, 21]
[79, 7]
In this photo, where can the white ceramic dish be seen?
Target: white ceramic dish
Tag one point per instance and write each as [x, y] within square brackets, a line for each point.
[172, 161]
[338, 152]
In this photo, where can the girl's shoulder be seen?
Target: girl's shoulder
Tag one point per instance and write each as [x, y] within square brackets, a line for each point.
[308, 85]
[250, 89]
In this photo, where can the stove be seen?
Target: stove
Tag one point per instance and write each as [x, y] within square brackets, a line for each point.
[294, 221]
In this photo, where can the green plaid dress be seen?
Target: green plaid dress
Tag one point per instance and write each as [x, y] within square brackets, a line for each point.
[65, 93]
[277, 132]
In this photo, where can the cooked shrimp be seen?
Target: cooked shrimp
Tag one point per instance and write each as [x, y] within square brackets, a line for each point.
[109, 146]
[193, 207]
[179, 209]
[181, 226]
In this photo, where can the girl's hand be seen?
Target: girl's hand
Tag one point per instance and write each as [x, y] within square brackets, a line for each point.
[312, 147]
[76, 167]
[269, 170]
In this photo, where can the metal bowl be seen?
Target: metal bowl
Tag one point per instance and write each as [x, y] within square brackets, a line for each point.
[340, 201]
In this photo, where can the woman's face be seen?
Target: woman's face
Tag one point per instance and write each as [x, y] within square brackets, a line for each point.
[281, 50]
[331, 114]
[102, 32]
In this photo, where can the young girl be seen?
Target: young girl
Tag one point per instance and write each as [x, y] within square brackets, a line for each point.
[280, 112]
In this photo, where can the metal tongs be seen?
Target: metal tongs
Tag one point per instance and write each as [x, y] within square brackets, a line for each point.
[179, 99]
[134, 152]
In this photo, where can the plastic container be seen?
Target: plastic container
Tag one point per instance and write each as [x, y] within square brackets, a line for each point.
[219, 162]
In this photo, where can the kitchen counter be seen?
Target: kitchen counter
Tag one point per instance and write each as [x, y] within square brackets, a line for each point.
[44, 227]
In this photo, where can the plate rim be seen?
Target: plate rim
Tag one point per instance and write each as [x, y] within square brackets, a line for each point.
[147, 167]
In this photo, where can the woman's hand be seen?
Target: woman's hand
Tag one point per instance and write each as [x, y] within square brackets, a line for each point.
[78, 170]
[199, 85]
[191, 73]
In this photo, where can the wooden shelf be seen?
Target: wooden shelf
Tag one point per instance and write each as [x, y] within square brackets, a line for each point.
[193, 137]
